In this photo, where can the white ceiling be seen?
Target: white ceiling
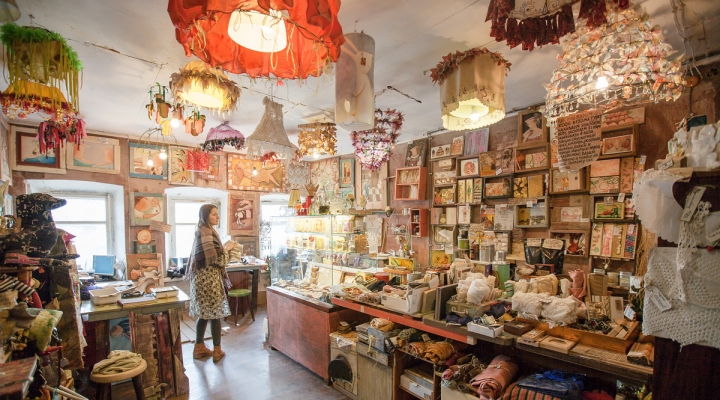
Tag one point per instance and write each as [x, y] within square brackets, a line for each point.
[128, 45]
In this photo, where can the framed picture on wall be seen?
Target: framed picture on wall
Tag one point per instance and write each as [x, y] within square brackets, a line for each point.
[5, 172]
[372, 185]
[476, 142]
[243, 213]
[179, 173]
[214, 172]
[250, 245]
[415, 155]
[347, 172]
[140, 154]
[244, 174]
[147, 207]
[531, 129]
[456, 148]
[94, 154]
[27, 157]
[440, 151]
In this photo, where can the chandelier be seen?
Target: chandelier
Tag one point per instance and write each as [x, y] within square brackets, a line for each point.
[472, 88]
[270, 136]
[201, 85]
[316, 139]
[374, 147]
[621, 63]
[261, 38]
[222, 135]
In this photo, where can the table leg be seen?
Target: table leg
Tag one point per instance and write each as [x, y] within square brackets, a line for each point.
[255, 283]
[139, 390]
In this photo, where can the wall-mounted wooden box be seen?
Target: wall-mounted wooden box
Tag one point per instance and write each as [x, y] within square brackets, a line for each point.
[410, 183]
[419, 222]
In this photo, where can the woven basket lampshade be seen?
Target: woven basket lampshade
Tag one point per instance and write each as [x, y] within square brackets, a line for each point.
[317, 139]
[270, 135]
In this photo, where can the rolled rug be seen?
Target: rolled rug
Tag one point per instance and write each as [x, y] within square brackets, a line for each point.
[491, 383]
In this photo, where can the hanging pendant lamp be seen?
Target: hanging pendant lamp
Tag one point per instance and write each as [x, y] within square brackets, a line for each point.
[270, 135]
[317, 139]
[262, 38]
[472, 88]
[222, 135]
[621, 63]
[354, 83]
[201, 85]
[9, 11]
[373, 147]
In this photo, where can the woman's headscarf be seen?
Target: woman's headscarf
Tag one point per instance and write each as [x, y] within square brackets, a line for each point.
[206, 246]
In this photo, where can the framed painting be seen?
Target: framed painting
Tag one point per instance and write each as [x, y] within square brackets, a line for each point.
[415, 155]
[372, 185]
[179, 173]
[26, 155]
[347, 172]
[214, 172]
[325, 173]
[250, 245]
[5, 172]
[469, 167]
[456, 148]
[94, 154]
[440, 151]
[147, 207]
[531, 129]
[476, 142]
[243, 213]
[618, 144]
[140, 154]
[244, 174]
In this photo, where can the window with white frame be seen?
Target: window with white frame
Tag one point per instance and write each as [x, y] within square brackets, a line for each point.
[184, 215]
[89, 218]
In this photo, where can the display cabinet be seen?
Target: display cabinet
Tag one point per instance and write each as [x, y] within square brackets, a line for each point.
[410, 183]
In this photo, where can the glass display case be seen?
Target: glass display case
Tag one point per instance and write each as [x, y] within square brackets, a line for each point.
[322, 251]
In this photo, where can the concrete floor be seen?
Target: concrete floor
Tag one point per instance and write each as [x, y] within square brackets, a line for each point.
[249, 371]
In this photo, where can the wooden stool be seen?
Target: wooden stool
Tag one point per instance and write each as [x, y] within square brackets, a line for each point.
[241, 294]
[105, 382]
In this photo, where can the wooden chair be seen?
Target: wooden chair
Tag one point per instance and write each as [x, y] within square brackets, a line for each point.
[104, 390]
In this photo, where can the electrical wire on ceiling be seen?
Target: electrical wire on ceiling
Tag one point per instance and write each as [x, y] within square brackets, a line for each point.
[678, 8]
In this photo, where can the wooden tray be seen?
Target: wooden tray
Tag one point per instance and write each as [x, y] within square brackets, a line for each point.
[589, 338]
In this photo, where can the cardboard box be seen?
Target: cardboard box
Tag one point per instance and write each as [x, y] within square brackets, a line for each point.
[413, 299]
[415, 381]
[473, 310]
[491, 331]
[377, 339]
[451, 394]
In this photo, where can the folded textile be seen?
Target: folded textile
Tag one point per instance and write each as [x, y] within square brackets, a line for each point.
[12, 283]
[407, 336]
[371, 298]
[439, 351]
[453, 318]
[417, 348]
[491, 383]
[118, 361]
[383, 325]
[555, 383]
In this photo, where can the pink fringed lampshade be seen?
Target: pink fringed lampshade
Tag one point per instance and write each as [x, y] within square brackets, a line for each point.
[223, 135]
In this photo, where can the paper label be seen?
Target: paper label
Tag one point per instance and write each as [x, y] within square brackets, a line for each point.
[629, 313]
[660, 300]
[343, 323]
[714, 236]
[584, 219]
[665, 164]
[501, 206]
[449, 249]
[498, 171]
[534, 242]
[554, 244]
[103, 140]
[643, 158]
[609, 200]
[621, 197]
[159, 226]
[691, 203]
[529, 203]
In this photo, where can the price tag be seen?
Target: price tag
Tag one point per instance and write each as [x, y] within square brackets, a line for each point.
[584, 219]
[665, 164]
[103, 140]
[498, 171]
[659, 299]
[714, 236]
[534, 242]
[643, 158]
[691, 203]
[343, 323]
[449, 249]
[621, 197]
[529, 203]
[629, 313]
[553, 244]
[609, 200]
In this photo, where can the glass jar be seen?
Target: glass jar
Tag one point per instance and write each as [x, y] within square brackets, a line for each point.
[624, 279]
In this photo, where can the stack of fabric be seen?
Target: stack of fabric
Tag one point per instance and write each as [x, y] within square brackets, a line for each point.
[491, 383]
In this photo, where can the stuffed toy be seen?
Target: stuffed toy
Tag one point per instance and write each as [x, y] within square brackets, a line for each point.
[38, 233]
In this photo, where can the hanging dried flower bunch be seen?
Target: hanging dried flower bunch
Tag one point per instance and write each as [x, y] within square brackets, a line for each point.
[451, 61]
[55, 132]
[621, 63]
[318, 138]
[374, 147]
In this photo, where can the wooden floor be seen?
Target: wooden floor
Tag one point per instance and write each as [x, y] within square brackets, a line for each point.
[249, 371]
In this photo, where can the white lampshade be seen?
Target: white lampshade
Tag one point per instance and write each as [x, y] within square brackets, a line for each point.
[354, 83]
[209, 97]
[256, 31]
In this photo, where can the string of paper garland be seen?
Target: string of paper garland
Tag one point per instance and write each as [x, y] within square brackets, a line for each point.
[374, 147]
[618, 64]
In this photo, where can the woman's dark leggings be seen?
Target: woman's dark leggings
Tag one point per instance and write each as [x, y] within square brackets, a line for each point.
[214, 330]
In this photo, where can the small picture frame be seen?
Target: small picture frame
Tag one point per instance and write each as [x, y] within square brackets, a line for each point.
[440, 152]
[469, 167]
[609, 211]
[533, 215]
[250, 245]
[347, 172]
[618, 145]
[243, 213]
[179, 173]
[26, 155]
[488, 163]
[498, 188]
[94, 154]
[415, 154]
[140, 154]
[476, 142]
[146, 207]
[444, 195]
[456, 148]
[532, 129]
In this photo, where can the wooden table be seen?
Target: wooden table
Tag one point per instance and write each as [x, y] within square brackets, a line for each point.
[154, 334]
[233, 270]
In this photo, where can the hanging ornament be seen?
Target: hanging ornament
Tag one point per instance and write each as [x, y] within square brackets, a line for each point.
[270, 135]
[316, 139]
[59, 130]
[354, 83]
[203, 86]
[374, 147]
[222, 135]
[266, 38]
[472, 88]
[195, 123]
[622, 63]
[198, 160]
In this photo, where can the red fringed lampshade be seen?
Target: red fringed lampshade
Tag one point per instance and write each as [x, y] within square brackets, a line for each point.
[295, 38]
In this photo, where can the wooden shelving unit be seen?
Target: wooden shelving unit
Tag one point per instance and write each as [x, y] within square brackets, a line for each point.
[410, 183]
[418, 222]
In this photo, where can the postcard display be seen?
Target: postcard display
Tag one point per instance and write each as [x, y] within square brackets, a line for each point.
[579, 191]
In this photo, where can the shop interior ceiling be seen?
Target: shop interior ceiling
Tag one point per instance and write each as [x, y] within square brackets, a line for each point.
[126, 46]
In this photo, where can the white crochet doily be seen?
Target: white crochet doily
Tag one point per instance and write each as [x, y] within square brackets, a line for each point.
[698, 319]
[655, 205]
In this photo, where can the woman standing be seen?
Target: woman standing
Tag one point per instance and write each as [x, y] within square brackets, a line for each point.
[206, 273]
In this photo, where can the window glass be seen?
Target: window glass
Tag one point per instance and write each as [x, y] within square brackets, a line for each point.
[90, 239]
[184, 236]
[187, 213]
[82, 209]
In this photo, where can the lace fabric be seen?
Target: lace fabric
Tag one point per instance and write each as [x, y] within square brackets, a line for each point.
[655, 205]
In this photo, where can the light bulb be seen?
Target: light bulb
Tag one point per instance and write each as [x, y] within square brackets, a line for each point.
[150, 163]
[174, 122]
[255, 172]
[162, 155]
[602, 83]
[316, 154]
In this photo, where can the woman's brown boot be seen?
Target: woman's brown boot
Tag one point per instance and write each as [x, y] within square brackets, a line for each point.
[200, 351]
[217, 354]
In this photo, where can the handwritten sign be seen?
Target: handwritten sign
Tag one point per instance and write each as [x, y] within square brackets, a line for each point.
[159, 226]
[579, 139]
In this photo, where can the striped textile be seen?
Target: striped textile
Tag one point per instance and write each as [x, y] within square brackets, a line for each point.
[12, 283]
[515, 392]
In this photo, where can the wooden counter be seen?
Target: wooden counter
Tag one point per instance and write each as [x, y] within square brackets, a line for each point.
[300, 327]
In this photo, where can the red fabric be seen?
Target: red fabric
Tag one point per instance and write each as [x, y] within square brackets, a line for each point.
[198, 161]
[201, 27]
